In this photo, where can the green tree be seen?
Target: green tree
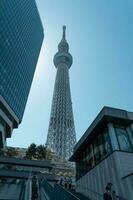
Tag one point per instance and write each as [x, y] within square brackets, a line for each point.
[41, 152]
[11, 152]
[2, 153]
[31, 151]
[50, 155]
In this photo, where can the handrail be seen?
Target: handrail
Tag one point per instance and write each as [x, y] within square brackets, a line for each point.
[48, 189]
[67, 192]
[44, 194]
[28, 190]
[21, 196]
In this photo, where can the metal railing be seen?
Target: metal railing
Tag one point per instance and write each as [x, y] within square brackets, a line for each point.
[64, 194]
[28, 189]
[22, 191]
[48, 189]
[43, 195]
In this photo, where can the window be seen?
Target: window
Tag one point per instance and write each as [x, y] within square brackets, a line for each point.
[97, 149]
[123, 139]
[107, 143]
[101, 145]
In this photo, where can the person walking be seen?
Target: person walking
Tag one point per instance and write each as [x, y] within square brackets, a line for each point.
[61, 181]
[109, 185]
[107, 194]
[69, 183]
[65, 183]
[34, 188]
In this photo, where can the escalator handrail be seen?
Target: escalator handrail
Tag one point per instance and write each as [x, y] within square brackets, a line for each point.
[66, 193]
[28, 190]
[45, 194]
[48, 189]
[22, 191]
[60, 192]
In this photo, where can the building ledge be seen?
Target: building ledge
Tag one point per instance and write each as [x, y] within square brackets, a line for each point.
[24, 162]
[107, 114]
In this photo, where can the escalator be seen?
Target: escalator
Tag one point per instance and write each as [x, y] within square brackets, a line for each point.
[79, 195]
[30, 189]
[35, 189]
[22, 191]
[57, 192]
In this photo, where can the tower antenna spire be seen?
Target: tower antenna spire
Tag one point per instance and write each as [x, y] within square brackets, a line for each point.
[61, 137]
[64, 32]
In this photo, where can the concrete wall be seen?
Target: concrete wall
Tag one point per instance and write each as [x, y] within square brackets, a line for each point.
[112, 170]
[128, 183]
[125, 162]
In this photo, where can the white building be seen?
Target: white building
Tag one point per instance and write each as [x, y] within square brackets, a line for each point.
[105, 154]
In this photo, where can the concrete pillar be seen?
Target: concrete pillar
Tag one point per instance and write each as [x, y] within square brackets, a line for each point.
[113, 138]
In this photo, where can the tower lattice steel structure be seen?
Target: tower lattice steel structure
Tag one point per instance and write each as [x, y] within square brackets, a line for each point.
[61, 133]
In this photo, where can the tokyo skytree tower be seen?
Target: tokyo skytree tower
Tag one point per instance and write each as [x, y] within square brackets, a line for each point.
[61, 136]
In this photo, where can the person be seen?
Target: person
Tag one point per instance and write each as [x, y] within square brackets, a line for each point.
[69, 183]
[107, 194]
[61, 181]
[109, 185]
[34, 188]
[65, 183]
[56, 184]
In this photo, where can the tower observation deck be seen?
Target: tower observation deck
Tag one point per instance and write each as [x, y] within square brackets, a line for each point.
[61, 136]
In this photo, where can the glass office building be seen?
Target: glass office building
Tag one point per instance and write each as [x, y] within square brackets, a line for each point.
[21, 36]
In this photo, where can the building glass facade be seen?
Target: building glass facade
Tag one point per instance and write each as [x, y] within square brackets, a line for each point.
[100, 147]
[21, 36]
[123, 139]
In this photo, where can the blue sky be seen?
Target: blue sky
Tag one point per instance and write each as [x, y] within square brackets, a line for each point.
[100, 34]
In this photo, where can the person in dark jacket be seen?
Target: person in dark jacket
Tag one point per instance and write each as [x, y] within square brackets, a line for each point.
[34, 188]
[107, 194]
